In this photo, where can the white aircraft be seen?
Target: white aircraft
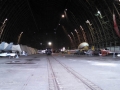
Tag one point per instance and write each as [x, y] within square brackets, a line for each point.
[6, 50]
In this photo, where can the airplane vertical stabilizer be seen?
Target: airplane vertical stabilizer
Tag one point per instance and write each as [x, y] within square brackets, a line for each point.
[9, 47]
[2, 45]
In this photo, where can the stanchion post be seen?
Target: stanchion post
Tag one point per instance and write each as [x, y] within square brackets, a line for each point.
[114, 55]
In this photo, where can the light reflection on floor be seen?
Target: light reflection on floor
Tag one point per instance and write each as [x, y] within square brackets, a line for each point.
[104, 64]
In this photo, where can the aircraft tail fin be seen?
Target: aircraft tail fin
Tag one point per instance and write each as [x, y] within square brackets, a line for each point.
[2, 46]
[9, 47]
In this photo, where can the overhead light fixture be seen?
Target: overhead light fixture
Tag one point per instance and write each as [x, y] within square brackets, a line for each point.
[87, 21]
[49, 43]
[98, 12]
[63, 16]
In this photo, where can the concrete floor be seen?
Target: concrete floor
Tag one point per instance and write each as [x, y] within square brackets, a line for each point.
[31, 72]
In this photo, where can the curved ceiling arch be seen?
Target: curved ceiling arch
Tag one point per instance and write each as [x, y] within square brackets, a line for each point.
[40, 20]
[13, 17]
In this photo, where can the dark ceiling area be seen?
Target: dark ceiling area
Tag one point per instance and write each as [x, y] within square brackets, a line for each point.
[36, 22]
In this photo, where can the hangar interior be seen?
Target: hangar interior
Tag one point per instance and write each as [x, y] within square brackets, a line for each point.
[64, 22]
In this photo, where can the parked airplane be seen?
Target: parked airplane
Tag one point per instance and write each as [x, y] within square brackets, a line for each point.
[3, 45]
[6, 50]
